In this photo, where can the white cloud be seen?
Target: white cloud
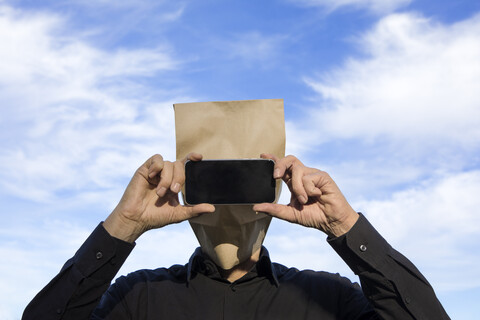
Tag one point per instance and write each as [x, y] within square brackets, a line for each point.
[418, 82]
[255, 47]
[35, 254]
[137, 7]
[131, 17]
[304, 248]
[162, 248]
[376, 6]
[433, 224]
[77, 120]
[405, 110]
[112, 3]
[73, 116]
[398, 129]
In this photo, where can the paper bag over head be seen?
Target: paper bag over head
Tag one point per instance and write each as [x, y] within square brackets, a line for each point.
[230, 130]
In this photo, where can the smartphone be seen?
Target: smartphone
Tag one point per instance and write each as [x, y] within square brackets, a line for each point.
[239, 181]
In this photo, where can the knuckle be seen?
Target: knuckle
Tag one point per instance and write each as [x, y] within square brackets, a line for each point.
[297, 188]
[156, 162]
[324, 174]
[167, 169]
[179, 173]
[178, 164]
[291, 158]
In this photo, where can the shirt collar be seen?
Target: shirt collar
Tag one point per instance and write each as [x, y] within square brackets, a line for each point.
[201, 263]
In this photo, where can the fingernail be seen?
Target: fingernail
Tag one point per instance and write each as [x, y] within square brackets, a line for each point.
[176, 187]
[162, 191]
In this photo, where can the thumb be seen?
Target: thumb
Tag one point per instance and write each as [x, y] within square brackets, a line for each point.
[188, 212]
[276, 210]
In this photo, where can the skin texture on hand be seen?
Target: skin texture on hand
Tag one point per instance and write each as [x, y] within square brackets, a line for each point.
[316, 201]
[151, 199]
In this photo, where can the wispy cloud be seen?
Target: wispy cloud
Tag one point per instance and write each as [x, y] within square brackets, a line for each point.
[255, 48]
[396, 125]
[77, 120]
[409, 101]
[431, 223]
[418, 82]
[86, 118]
[406, 115]
[33, 259]
[376, 6]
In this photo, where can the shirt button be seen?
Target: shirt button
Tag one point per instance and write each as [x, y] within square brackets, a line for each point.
[99, 255]
[363, 248]
[59, 311]
[233, 288]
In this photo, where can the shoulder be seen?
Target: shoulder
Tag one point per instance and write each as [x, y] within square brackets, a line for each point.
[131, 292]
[176, 273]
[311, 278]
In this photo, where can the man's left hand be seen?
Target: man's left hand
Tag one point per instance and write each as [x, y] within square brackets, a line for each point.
[316, 201]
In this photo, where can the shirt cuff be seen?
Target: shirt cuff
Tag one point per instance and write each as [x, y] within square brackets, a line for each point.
[362, 247]
[101, 250]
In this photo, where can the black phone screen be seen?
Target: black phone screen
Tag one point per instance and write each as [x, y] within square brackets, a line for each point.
[246, 181]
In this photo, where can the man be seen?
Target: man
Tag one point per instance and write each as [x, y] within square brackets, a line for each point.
[392, 287]
[231, 275]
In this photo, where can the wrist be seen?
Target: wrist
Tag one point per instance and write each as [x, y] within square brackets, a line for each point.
[341, 227]
[122, 228]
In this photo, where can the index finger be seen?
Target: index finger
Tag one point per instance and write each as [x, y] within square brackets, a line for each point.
[291, 170]
[154, 165]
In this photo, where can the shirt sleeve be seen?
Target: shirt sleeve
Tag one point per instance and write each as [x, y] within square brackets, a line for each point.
[394, 286]
[77, 289]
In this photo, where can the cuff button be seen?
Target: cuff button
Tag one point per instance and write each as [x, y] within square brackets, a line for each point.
[99, 255]
[363, 248]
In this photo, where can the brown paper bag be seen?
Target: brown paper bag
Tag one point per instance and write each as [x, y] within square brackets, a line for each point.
[231, 130]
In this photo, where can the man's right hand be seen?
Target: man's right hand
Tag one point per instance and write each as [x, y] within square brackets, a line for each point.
[151, 199]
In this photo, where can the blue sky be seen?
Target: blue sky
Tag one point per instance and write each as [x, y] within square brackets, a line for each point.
[382, 94]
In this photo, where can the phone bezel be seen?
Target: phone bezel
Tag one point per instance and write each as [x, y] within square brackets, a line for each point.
[185, 195]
